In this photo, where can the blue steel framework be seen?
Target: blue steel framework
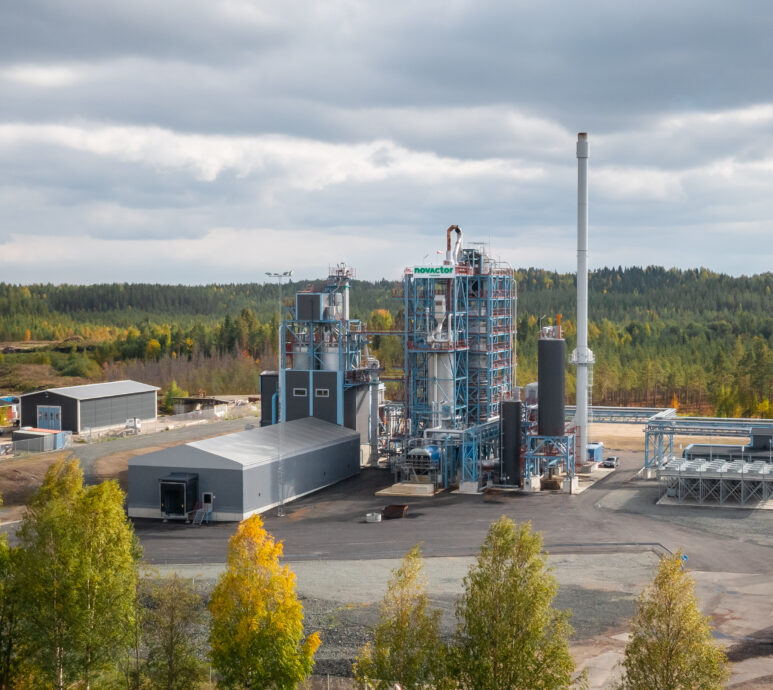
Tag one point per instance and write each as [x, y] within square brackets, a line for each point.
[335, 344]
[545, 452]
[662, 424]
[478, 342]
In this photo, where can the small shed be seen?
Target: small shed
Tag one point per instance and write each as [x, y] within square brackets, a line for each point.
[93, 406]
[242, 473]
[595, 451]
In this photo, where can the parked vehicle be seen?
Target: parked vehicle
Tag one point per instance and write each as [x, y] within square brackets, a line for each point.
[611, 461]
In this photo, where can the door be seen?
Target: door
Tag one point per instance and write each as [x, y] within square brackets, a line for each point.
[50, 417]
[173, 499]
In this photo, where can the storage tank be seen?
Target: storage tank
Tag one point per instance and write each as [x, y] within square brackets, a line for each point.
[551, 363]
[301, 357]
[329, 357]
[441, 385]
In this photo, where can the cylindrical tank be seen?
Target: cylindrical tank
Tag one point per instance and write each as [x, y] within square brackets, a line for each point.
[511, 442]
[551, 365]
[329, 357]
[441, 384]
[301, 357]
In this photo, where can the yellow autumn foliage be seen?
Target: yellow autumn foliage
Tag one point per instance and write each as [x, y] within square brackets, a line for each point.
[256, 632]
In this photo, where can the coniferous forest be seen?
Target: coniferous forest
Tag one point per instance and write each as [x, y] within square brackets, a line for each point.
[695, 339]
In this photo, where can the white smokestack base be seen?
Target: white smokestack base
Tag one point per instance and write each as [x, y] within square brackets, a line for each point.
[582, 356]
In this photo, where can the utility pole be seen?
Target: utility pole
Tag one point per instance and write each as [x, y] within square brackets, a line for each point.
[279, 430]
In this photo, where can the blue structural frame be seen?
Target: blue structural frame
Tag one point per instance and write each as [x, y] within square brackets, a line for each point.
[478, 340]
[327, 344]
[545, 452]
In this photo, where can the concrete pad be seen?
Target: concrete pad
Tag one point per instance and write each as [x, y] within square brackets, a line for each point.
[407, 489]
[571, 485]
[532, 484]
[672, 501]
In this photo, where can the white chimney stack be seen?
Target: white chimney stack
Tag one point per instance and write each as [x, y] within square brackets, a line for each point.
[582, 356]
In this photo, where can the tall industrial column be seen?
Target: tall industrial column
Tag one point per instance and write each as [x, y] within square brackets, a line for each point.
[582, 356]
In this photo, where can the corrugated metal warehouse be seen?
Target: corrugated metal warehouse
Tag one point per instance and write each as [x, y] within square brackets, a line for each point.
[240, 472]
[96, 405]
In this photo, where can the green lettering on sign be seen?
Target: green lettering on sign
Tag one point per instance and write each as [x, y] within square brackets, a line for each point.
[433, 270]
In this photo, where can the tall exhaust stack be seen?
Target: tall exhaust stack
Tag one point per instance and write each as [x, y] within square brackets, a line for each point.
[582, 356]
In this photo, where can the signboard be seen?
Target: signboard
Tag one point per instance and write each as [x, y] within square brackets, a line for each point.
[430, 271]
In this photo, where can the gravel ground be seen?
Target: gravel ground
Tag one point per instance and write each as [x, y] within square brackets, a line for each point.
[340, 598]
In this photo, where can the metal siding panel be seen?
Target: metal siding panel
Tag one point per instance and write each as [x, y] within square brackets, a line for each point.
[226, 485]
[302, 473]
[146, 405]
[350, 409]
[296, 407]
[88, 414]
[326, 409]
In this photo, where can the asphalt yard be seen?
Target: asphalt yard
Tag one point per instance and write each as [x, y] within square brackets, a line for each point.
[603, 543]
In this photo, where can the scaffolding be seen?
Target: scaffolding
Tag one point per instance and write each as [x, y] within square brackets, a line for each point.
[459, 328]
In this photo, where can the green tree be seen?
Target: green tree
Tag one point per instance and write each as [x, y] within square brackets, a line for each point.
[9, 613]
[173, 392]
[175, 613]
[671, 647]
[509, 636]
[77, 576]
[406, 647]
[256, 630]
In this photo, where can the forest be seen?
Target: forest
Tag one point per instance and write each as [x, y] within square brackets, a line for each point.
[694, 339]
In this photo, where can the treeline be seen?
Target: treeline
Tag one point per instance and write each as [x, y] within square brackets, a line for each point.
[55, 312]
[696, 339]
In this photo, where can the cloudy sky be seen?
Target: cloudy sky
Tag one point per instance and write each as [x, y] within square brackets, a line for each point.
[213, 140]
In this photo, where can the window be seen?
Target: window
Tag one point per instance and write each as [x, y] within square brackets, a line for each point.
[321, 392]
[300, 392]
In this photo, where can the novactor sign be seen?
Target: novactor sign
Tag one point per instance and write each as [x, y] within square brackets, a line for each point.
[432, 270]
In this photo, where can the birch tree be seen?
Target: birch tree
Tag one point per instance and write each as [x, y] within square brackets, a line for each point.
[78, 577]
[256, 631]
[671, 647]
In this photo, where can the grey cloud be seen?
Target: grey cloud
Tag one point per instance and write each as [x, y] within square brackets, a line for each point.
[497, 85]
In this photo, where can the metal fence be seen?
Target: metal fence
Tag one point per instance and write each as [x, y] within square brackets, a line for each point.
[215, 414]
[43, 444]
[64, 439]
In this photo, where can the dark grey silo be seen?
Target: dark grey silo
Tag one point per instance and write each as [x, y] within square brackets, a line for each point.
[511, 442]
[551, 366]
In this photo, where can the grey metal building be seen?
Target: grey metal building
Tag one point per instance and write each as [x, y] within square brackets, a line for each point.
[96, 405]
[240, 473]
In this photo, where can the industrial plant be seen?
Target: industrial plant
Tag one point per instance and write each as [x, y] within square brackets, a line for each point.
[461, 422]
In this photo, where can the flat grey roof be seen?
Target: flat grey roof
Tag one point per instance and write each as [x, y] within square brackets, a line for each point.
[100, 390]
[251, 447]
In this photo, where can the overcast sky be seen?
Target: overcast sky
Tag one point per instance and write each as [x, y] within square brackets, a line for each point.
[210, 141]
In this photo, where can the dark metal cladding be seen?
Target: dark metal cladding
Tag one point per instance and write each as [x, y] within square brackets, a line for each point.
[269, 384]
[511, 442]
[551, 365]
